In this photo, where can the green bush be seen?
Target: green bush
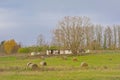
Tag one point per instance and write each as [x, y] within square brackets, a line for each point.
[39, 49]
[53, 48]
[24, 50]
[32, 49]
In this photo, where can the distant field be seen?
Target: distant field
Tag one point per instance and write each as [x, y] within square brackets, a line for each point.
[101, 67]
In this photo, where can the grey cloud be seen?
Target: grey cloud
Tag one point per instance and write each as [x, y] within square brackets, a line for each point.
[32, 17]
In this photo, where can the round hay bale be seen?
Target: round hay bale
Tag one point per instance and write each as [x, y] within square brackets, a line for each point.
[87, 51]
[33, 53]
[28, 63]
[84, 64]
[75, 59]
[43, 63]
[33, 66]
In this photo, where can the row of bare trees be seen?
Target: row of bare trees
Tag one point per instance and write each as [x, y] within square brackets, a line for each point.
[75, 33]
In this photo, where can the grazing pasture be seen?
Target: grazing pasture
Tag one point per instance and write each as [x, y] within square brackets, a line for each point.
[99, 67]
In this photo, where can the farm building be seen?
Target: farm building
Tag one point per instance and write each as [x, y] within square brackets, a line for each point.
[50, 52]
[67, 51]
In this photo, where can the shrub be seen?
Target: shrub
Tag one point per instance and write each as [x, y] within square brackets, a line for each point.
[53, 48]
[75, 59]
[24, 50]
[32, 49]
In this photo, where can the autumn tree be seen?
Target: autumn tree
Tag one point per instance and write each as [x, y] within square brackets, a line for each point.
[10, 46]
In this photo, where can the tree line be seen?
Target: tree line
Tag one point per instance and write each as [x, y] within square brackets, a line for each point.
[76, 33]
[73, 33]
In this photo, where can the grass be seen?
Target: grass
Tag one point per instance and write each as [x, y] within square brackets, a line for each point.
[61, 75]
[14, 68]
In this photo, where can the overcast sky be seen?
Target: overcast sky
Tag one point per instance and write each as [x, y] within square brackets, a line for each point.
[24, 20]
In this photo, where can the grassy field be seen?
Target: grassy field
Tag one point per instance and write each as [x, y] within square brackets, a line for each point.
[101, 67]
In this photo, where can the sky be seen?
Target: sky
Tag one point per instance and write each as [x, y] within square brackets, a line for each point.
[24, 20]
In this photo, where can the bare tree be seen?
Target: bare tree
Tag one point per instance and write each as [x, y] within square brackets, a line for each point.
[98, 33]
[70, 32]
[89, 36]
[118, 27]
[108, 32]
[114, 37]
[40, 40]
[75, 33]
[105, 40]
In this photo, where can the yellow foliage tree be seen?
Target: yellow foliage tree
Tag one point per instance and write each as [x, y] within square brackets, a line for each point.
[10, 46]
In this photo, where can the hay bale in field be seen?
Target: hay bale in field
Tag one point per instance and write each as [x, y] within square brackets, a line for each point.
[84, 64]
[28, 63]
[87, 51]
[75, 59]
[43, 63]
[33, 53]
[38, 53]
[32, 66]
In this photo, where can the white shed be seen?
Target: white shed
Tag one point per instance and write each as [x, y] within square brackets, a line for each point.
[49, 52]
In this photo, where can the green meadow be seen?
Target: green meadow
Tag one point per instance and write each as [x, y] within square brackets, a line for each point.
[100, 67]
